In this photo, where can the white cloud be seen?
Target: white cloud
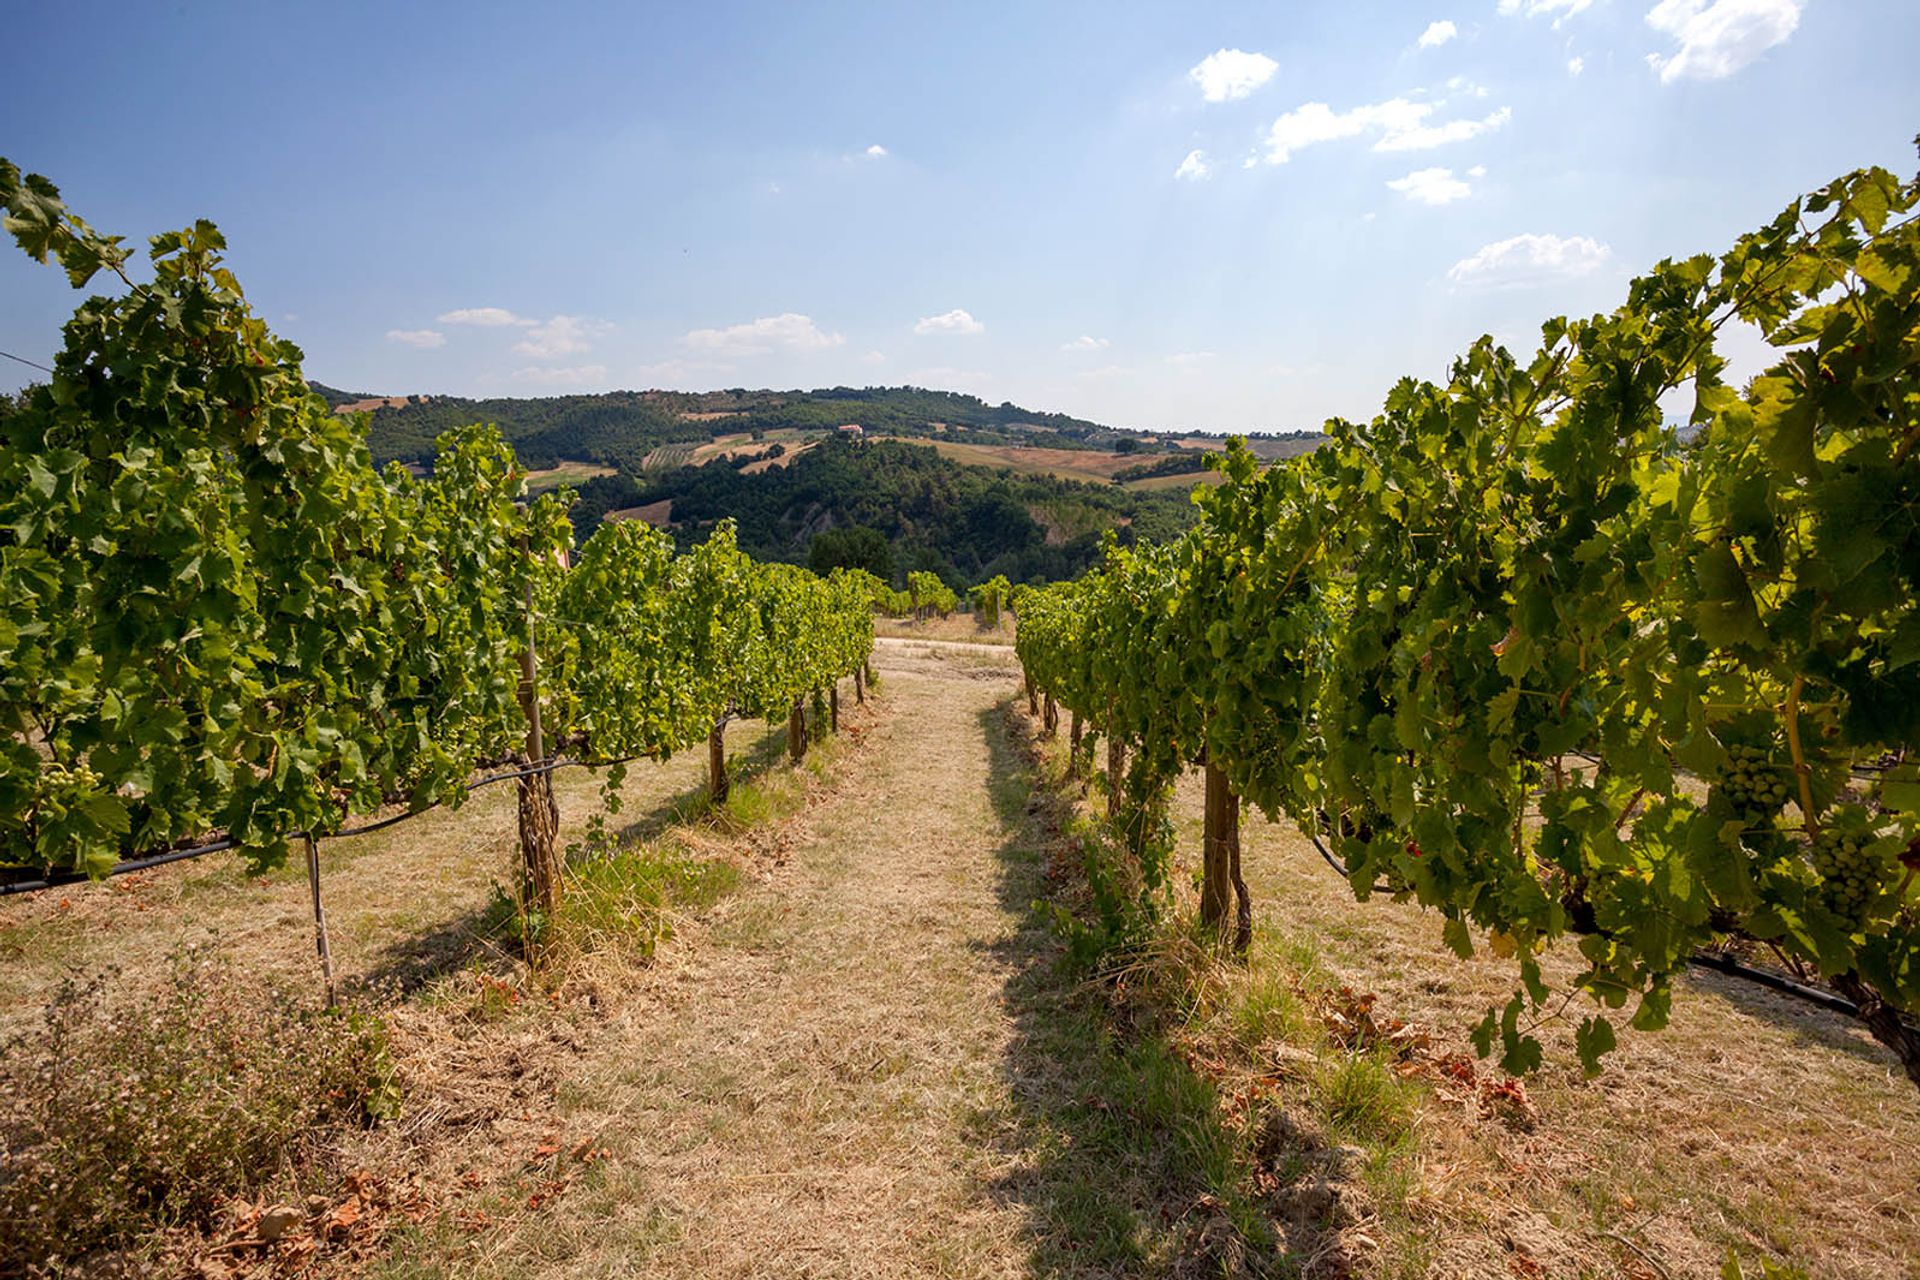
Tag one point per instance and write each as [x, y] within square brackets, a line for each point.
[1478, 171]
[1401, 124]
[1232, 73]
[1420, 137]
[1194, 167]
[1530, 259]
[788, 331]
[1462, 85]
[1431, 186]
[874, 357]
[1718, 37]
[484, 317]
[1191, 361]
[421, 338]
[559, 336]
[1534, 8]
[1437, 34]
[574, 375]
[877, 152]
[1576, 65]
[1086, 343]
[955, 321]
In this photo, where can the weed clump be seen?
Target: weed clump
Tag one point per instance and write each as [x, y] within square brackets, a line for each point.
[121, 1114]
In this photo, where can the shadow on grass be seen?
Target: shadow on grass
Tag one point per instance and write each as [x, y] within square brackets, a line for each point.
[766, 747]
[478, 937]
[1118, 1157]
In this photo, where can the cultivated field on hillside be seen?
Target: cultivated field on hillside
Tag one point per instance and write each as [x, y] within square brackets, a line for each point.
[1090, 465]
[567, 473]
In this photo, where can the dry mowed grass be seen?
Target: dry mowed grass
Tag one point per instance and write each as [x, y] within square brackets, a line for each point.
[402, 903]
[1753, 1121]
[866, 1062]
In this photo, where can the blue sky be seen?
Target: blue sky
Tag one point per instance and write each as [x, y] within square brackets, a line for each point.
[1183, 215]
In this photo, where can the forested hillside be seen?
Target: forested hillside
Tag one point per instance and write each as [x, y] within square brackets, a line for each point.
[964, 523]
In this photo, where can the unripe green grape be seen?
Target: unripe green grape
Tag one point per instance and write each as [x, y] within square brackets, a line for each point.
[1752, 783]
[1852, 874]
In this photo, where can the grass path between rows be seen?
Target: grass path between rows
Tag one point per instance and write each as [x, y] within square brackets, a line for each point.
[804, 1091]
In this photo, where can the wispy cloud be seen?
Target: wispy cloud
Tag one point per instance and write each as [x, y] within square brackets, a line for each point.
[1191, 361]
[1718, 38]
[1232, 73]
[484, 317]
[1401, 125]
[558, 336]
[788, 331]
[955, 321]
[424, 339]
[1431, 186]
[876, 152]
[1437, 34]
[1561, 9]
[1530, 259]
[1194, 167]
[1086, 343]
[1576, 65]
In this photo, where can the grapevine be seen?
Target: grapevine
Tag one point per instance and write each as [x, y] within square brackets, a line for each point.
[1488, 640]
[216, 615]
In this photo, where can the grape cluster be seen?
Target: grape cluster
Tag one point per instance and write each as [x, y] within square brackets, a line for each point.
[1851, 874]
[1751, 782]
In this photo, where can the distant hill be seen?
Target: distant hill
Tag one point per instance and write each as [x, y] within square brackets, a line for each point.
[620, 428]
[963, 522]
[957, 486]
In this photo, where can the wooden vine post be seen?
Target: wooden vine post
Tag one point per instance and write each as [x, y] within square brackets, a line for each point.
[833, 706]
[539, 814]
[859, 684]
[718, 783]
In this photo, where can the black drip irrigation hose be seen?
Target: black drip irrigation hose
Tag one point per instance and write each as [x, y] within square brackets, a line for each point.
[131, 865]
[1717, 961]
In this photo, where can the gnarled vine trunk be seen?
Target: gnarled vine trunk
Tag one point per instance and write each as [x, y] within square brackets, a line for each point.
[1116, 772]
[859, 687]
[1073, 740]
[539, 813]
[833, 705]
[1033, 696]
[719, 785]
[1049, 717]
[797, 733]
[1221, 880]
[1885, 1022]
